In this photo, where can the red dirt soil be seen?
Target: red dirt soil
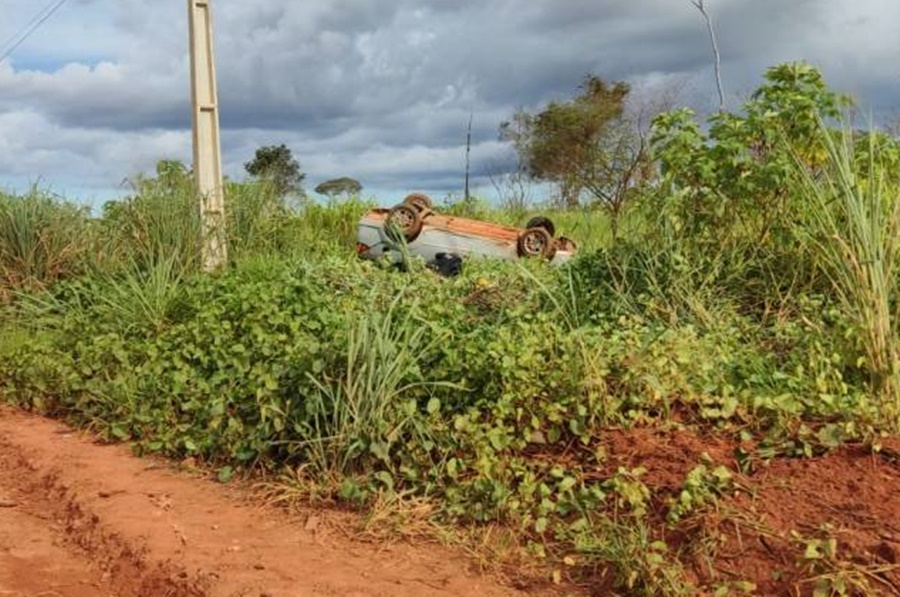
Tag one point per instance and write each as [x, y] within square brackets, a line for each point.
[78, 519]
[851, 495]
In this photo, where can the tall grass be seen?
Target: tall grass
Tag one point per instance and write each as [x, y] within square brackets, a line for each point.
[134, 298]
[42, 239]
[317, 227]
[360, 415]
[258, 221]
[142, 297]
[854, 231]
[159, 223]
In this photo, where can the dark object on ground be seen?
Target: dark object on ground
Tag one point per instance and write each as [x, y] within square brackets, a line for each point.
[447, 264]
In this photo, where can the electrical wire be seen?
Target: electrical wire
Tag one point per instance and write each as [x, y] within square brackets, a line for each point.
[39, 19]
[34, 19]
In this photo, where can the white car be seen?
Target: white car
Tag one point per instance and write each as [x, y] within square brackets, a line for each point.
[443, 241]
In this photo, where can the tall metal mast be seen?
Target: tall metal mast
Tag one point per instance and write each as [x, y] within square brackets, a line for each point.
[207, 151]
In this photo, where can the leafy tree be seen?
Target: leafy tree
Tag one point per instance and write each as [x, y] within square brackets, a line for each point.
[584, 145]
[275, 164]
[339, 186]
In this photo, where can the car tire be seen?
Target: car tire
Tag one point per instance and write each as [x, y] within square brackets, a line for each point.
[542, 222]
[404, 221]
[536, 242]
[420, 201]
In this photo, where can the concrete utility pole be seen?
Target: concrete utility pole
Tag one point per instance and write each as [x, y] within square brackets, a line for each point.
[207, 152]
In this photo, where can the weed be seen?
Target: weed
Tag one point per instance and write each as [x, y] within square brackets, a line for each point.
[829, 575]
[702, 487]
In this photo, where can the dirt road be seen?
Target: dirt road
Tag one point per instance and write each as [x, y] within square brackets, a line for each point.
[78, 519]
[32, 561]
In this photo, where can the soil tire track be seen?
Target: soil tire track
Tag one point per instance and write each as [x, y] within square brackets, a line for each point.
[145, 529]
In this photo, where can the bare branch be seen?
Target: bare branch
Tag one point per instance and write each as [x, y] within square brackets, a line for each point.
[699, 5]
[512, 184]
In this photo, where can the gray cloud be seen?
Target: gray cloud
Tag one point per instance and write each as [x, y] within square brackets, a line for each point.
[383, 91]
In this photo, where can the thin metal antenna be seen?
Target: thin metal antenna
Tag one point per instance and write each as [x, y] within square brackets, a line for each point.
[207, 149]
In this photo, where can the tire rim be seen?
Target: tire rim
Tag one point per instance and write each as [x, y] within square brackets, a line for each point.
[404, 219]
[533, 243]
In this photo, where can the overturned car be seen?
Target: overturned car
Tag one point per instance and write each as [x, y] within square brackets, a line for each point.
[413, 227]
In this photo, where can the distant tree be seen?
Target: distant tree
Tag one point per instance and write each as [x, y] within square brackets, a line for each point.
[276, 165]
[577, 144]
[339, 186]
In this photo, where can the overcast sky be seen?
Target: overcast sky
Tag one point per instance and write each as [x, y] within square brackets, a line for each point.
[382, 90]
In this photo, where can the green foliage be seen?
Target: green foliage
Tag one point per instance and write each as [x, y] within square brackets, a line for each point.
[159, 222]
[830, 574]
[702, 486]
[643, 566]
[369, 382]
[799, 206]
[354, 424]
[275, 165]
[258, 221]
[732, 184]
[330, 227]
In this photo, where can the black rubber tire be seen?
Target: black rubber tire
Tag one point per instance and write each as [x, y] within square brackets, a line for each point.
[542, 222]
[536, 242]
[420, 201]
[403, 221]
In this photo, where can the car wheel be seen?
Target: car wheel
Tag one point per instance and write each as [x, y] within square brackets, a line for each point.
[421, 202]
[542, 222]
[403, 221]
[536, 242]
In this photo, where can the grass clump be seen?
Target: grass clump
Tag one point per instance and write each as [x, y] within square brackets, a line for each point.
[854, 234]
[42, 240]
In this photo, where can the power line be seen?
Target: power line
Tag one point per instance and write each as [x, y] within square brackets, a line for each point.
[39, 19]
[34, 19]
